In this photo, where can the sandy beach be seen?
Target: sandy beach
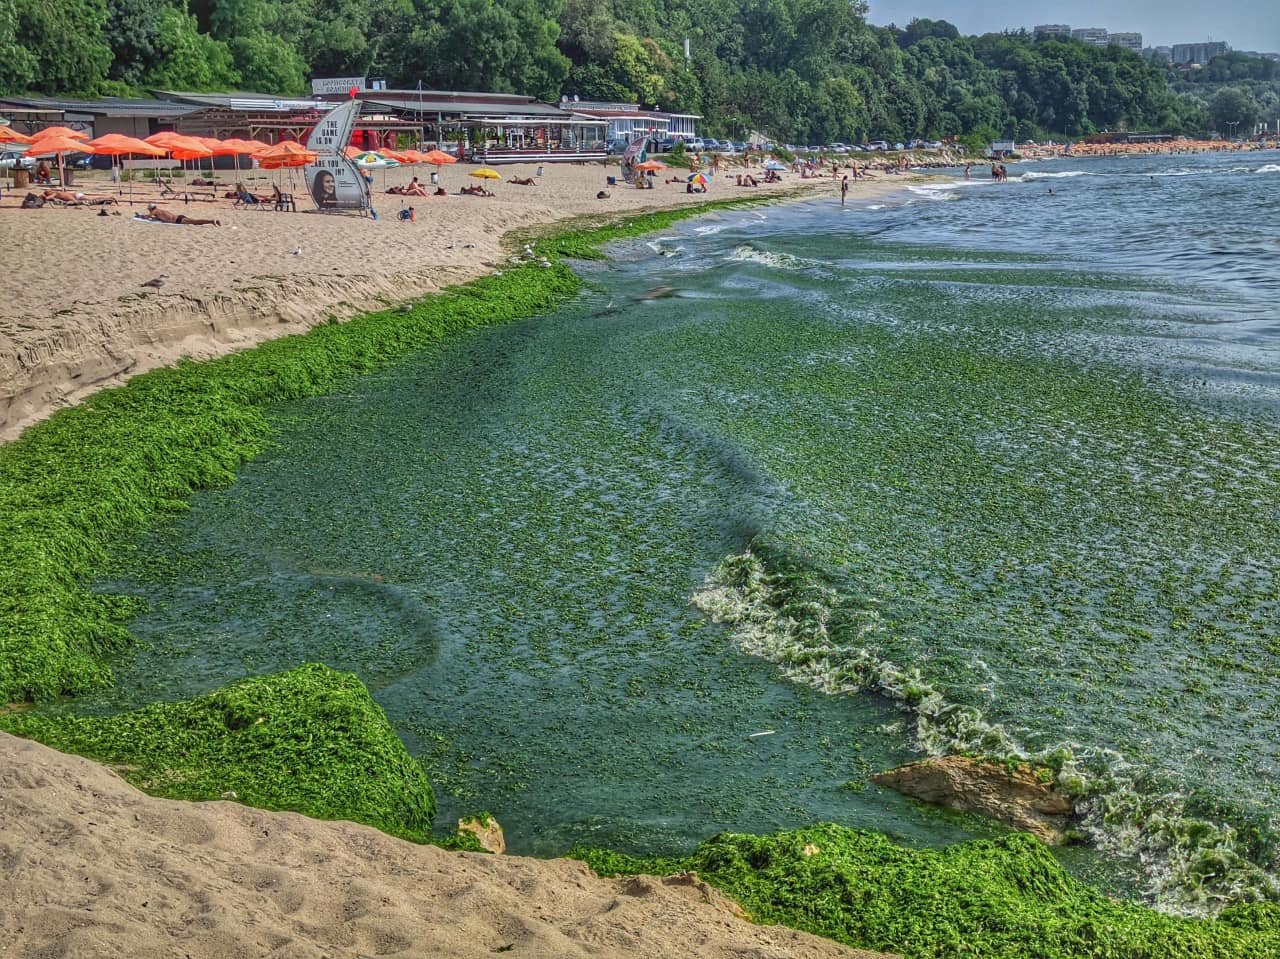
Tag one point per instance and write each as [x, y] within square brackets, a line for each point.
[75, 317]
[92, 867]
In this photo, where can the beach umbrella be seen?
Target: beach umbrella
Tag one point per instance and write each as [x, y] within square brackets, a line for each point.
[438, 157]
[284, 155]
[775, 166]
[650, 166]
[59, 146]
[698, 179]
[244, 148]
[119, 145]
[368, 160]
[61, 132]
[484, 173]
[9, 135]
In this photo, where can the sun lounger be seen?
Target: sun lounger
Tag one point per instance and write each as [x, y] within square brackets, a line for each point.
[285, 201]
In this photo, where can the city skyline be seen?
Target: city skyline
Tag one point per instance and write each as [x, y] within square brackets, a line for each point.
[1243, 24]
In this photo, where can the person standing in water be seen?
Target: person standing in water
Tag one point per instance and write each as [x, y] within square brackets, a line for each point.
[844, 189]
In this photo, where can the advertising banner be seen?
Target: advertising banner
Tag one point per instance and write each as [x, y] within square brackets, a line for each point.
[333, 181]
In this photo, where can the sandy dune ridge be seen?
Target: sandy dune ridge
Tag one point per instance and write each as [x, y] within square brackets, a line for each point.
[93, 868]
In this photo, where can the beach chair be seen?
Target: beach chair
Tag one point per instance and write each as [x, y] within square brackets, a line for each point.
[244, 198]
[285, 201]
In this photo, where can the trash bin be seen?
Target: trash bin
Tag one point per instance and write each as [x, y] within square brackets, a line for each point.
[435, 178]
[21, 178]
[541, 172]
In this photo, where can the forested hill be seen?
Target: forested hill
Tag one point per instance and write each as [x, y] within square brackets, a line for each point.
[803, 70]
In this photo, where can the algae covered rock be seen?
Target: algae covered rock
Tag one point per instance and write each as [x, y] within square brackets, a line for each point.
[1019, 795]
[309, 740]
[487, 832]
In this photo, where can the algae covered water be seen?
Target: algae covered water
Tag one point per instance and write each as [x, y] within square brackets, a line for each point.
[1014, 448]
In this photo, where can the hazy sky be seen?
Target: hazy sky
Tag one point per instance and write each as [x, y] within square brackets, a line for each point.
[1245, 24]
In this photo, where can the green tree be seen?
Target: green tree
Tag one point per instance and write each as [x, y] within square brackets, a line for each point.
[1233, 111]
[188, 59]
[65, 44]
[17, 65]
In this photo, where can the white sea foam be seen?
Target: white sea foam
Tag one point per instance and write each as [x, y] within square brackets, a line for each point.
[1268, 168]
[781, 261]
[938, 192]
[1193, 866]
[1061, 175]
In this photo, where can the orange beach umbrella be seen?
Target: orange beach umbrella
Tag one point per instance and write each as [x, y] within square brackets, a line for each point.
[438, 157]
[117, 144]
[286, 154]
[9, 135]
[61, 132]
[57, 145]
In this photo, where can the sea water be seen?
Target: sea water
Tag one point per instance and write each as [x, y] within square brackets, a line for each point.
[1020, 439]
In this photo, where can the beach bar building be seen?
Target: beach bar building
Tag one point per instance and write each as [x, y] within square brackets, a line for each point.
[489, 127]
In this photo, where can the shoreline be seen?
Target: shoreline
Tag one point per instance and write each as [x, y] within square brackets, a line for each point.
[328, 347]
[65, 336]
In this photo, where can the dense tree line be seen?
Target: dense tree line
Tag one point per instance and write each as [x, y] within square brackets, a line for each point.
[802, 70]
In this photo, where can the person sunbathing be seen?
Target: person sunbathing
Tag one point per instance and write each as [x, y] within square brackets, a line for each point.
[76, 199]
[475, 191]
[161, 215]
[413, 188]
[527, 181]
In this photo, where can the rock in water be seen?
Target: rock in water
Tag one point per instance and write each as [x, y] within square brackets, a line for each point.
[1015, 795]
[487, 831]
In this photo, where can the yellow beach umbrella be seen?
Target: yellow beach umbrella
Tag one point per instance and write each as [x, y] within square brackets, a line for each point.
[484, 173]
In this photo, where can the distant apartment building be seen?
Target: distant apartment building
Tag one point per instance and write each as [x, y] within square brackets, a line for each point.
[1054, 31]
[1130, 41]
[1163, 54]
[1094, 36]
[1185, 54]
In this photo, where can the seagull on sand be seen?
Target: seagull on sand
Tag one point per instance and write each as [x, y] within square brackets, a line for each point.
[157, 282]
[297, 251]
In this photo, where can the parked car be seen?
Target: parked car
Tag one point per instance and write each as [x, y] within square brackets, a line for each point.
[9, 161]
[695, 143]
[727, 146]
[739, 146]
[615, 147]
[933, 145]
[877, 145]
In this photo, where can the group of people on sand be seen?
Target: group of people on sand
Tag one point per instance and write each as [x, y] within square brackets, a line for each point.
[415, 188]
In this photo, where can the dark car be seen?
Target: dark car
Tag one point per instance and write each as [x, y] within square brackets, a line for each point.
[616, 146]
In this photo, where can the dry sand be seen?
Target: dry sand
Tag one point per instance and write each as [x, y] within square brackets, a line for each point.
[93, 868]
[74, 316]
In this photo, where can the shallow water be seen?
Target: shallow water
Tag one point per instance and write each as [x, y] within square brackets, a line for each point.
[1035, 433]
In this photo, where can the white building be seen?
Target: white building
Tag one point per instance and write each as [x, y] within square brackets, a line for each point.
[1054, 31]
[626, 121]
[1094, 36]
[1130, 41]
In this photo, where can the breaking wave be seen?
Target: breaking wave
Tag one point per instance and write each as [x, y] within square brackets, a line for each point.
[786, 614]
